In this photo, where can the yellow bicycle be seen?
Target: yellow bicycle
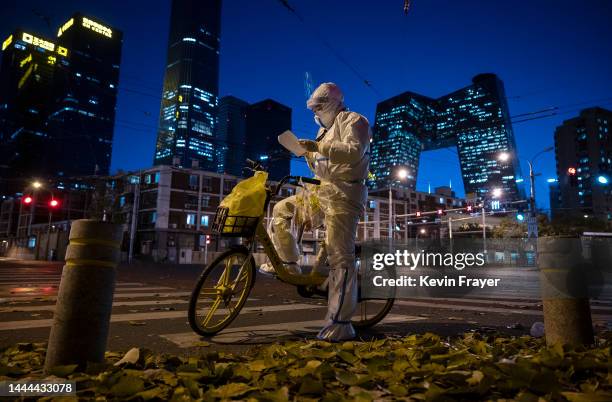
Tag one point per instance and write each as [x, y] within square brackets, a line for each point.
[224, 285]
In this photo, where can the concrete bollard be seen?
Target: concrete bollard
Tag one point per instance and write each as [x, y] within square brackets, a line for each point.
[83, 309]
[564, 287]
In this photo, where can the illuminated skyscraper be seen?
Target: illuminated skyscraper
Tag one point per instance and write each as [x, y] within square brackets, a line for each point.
[188, 115]
[29, 65]
[57, 100]
[475, 119]
[83, 120]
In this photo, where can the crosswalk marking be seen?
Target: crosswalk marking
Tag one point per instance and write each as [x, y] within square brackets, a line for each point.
[118, 295]
[36, 290]
[154, 315]
[484, 308]
[500, 303]
[51, 307]
[249, 333]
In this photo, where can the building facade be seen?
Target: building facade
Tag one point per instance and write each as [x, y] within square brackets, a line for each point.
[57, 101]
[188, 114]
[475, 119]
[231, 131]
[251, 131]
[583, 153]
[167, 214]
[266, 120]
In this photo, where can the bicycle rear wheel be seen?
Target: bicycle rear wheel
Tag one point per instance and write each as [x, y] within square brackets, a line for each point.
[369, 312]
[221, 291]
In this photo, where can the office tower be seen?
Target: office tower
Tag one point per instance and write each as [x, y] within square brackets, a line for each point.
[583, 152]
[57, 101]
[475, 119]
[188, 114]
[82, 123]
[265, 121]
[231, 133]
[29, 66]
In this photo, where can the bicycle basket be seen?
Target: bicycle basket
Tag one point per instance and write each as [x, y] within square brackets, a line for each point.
[233, 225]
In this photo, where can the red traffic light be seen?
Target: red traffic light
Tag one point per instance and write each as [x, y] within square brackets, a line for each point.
[440, 211]
[571, 171]
[469, 208]
[207, 239]
[27, 200]
[54, 203]
[418, 213]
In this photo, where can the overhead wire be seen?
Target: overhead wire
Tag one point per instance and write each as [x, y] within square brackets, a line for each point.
[328, 45]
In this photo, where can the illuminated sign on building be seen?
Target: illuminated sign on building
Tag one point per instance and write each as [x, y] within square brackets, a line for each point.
[96, 27]
[25, 61]
[7, 42]
[65, 27]
[62, 51]
[45, 44]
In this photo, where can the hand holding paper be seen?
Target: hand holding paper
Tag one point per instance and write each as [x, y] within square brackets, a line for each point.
[309, 145]
[290, 141]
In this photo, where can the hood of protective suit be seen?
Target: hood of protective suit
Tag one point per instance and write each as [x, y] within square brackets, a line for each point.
[326, 102]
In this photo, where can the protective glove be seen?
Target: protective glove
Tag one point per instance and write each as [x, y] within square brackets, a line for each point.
[309, 145]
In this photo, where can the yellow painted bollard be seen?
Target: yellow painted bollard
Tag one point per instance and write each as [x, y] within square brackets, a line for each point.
[85, 299]
[564, 287]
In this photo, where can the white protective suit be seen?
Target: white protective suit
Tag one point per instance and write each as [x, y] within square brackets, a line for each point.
[341, 163]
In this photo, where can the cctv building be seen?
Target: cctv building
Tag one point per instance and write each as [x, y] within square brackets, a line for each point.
[57, 101]
[188, 114]
[474, 119]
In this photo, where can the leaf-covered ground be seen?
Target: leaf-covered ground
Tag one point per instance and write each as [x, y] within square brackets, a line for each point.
[418, 367]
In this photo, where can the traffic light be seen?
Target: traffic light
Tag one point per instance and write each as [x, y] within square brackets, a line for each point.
[418, 214]
[520, 216]
[571, 172]
[27, 200]
[440, 212]
[207, 239]
[54, 203]
[469, 208]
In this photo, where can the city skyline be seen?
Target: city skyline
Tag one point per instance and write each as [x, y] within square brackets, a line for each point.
[545, 79]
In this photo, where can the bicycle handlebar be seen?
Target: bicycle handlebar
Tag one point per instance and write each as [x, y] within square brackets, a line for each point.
[297, 179]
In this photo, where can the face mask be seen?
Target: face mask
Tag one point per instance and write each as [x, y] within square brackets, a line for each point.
[327, 118]
[318, 121]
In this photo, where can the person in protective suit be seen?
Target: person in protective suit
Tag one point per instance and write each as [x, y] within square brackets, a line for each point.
[340, 158]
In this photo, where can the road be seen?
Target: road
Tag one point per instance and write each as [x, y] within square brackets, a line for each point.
[150, 304]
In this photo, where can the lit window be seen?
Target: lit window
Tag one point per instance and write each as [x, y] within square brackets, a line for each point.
[190, 219]
[204, 220]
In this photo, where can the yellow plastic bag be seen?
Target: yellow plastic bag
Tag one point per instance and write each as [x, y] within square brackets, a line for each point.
[246, 199]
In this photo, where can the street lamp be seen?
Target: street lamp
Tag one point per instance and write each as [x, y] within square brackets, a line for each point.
[504, 156]
[400, 174]
[422, 231]
[496, 193]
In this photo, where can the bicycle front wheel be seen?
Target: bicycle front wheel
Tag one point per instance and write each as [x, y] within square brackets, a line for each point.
[221, 291]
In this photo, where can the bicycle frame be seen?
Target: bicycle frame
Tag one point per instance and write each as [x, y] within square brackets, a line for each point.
[314, 278]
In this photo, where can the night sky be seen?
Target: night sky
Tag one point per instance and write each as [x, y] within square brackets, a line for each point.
[548, 53]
